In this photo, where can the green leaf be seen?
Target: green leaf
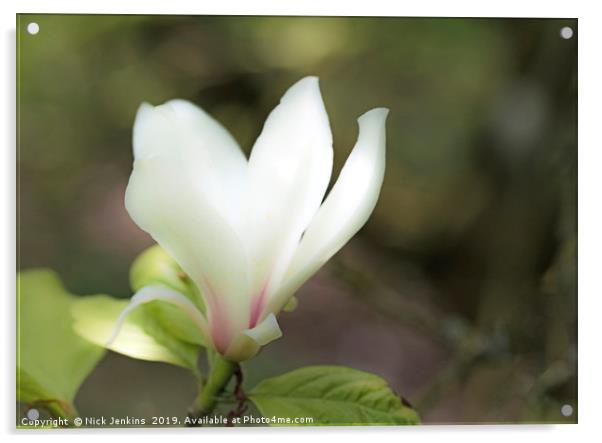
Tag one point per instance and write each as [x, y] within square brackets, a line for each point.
[52, 360]
[155, 266]
[331, 395]
[173, 319]
[141, 337]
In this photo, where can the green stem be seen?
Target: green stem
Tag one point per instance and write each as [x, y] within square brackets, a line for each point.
[219, 375]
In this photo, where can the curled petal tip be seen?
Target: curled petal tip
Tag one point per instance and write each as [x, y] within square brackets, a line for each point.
[265, 332]
[306, 87]
[184, 109]
[310, 79]
[144, 107]
[376, 113]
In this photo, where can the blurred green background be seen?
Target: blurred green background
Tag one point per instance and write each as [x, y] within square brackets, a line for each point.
[461, 289]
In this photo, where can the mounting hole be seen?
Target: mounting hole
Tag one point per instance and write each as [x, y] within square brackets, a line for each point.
[566, 32]
[33, 28]
[566, 410]
[33, 414]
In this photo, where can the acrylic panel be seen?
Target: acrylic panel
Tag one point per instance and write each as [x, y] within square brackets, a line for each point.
[295, 221]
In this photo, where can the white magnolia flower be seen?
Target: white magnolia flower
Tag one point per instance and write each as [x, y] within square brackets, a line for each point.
[250, 232]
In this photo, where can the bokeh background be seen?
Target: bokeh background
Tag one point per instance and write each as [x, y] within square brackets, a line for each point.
[460, 290]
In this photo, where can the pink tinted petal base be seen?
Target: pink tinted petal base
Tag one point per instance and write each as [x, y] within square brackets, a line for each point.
[219, 324]
[257, 307]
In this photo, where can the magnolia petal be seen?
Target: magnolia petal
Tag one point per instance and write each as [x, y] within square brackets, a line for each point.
[207, 152]
[163, 293]
[249, 342]
[162, 199]
[289, 170]
[345, 210]
[265, 332]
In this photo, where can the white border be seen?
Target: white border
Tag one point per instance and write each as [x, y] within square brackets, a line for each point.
[590, 215]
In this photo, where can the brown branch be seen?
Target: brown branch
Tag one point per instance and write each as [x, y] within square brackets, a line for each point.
[240, 396]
